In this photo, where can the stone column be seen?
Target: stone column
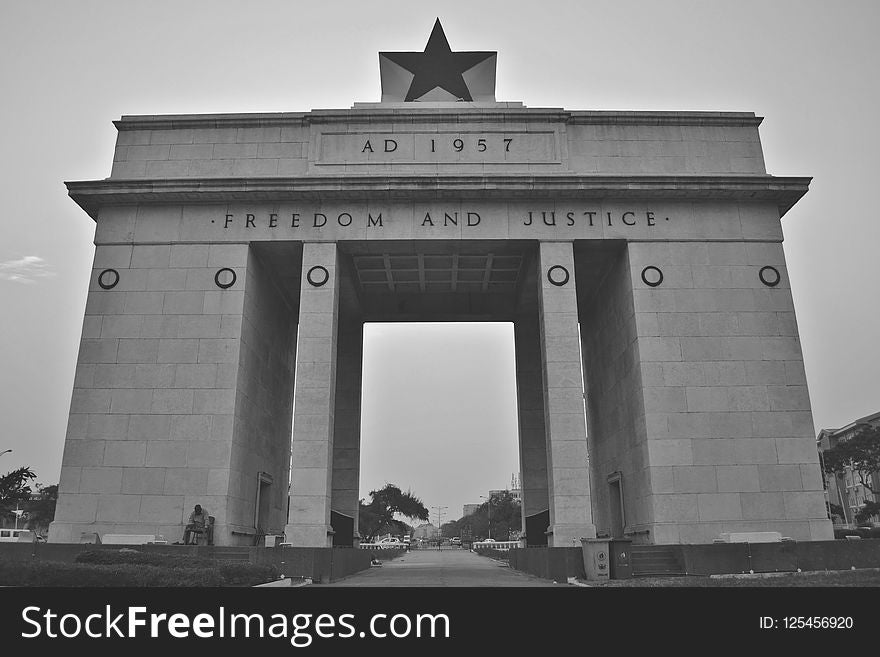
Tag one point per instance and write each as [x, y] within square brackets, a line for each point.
[347, 414]
[731, 445]
[152, 417]
[308, 521]
[530, 406]
[532, 434]
[571, 516]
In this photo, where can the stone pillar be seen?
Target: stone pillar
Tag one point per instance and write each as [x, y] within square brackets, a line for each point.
[530, 407]
[347, 414]
[308, 521]
[571, 516]
[152, 415]
[532, 435]
[730, 439]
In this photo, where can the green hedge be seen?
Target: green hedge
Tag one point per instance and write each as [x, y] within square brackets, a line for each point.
[493, 553]
[132, 556]
[864, 532]
[136, 569]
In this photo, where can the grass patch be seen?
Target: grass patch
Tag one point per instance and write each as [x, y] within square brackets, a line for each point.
[845, 578]
[115, 568]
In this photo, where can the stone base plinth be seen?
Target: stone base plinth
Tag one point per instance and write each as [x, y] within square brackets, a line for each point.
[569, 535]
[309, 535]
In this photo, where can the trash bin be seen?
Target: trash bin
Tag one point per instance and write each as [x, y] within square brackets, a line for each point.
[271, 540]
[596, 558]
[621, 559]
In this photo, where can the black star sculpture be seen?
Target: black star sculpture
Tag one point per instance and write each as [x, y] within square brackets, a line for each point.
[438, 66]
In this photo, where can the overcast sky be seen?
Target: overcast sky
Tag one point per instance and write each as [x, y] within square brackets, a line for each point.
[68, 69]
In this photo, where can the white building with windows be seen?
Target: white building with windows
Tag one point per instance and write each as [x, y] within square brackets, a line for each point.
[847, 491]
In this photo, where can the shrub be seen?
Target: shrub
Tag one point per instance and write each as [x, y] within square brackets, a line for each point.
[185, 572]
[843, 533]
[493, 553]
[131, 556]
[864, 532]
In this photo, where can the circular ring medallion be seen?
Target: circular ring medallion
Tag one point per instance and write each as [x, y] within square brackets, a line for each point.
[557, 275]
[108, 279]
[318, 275]
[225, 278]
[769, 276]
[652, 276]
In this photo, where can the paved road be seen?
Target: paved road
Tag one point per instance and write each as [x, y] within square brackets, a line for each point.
[439, 568]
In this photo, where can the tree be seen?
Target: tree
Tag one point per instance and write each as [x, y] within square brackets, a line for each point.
[868, 510]
[41, 509]
[389, 501]
[861, 455]
[15, 488]
[505, 514]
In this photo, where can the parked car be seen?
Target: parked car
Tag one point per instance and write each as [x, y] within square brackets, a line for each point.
[456, 540]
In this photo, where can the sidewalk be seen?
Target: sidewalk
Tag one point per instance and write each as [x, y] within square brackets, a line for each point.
[443, 568]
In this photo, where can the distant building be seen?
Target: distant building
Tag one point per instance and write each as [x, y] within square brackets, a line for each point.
[516, 493]
[468, 509]
[846, 491]
[426, 531]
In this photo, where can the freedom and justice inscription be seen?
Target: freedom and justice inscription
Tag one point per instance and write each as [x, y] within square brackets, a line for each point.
[468, 219]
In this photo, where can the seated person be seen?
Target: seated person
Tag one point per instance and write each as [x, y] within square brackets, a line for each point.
[196, 524]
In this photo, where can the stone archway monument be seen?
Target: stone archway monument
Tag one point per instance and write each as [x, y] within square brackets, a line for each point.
[660, 381]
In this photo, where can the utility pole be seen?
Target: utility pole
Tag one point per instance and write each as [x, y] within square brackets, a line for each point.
[18, 513]
[488, 511]
[440, 510]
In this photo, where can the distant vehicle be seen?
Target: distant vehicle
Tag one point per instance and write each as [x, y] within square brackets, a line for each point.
[387, 542]
[456, 540]
[18, 536]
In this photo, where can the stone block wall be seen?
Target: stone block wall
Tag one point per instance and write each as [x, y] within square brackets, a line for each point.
[225, 151]
[640, 147]
[730, 439]
[424, 141]
[151, 417]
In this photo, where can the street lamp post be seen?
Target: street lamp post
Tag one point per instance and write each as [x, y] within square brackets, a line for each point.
[18, 511]
[440, 510]
[18, 514]
[488, 511]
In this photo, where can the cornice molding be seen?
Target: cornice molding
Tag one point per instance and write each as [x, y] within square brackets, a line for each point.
[92, 195]
[451, 114]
